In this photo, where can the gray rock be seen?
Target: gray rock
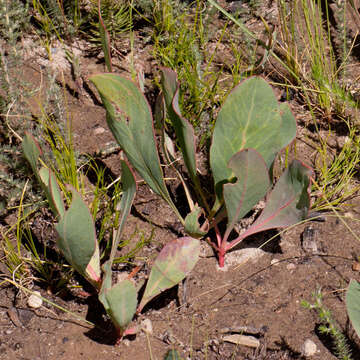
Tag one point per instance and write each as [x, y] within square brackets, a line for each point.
[309, 240]
[309, 348]
[240, 257]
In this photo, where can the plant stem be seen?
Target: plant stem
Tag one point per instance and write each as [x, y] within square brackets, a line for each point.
[221, 247]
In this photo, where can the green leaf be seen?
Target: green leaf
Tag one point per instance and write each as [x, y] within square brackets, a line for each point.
[353, 305]
[252, 183]
[31, 151]
[121, 301]
[249, 118]
[52, 191]
[129, 189]
[106, 283]
[192, 226]
[105, 40]
[183, 129]
[172, 265]
[287, 204]
[288, 125]
[77, 239]
[45, 177]
[129, 119]
[172, 355]
[55, 194]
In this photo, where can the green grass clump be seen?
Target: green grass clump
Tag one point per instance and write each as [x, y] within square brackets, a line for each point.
[329, 326]
[336, 171]
[312, 60]
[59, 18]
[181, 37]
[116, 17]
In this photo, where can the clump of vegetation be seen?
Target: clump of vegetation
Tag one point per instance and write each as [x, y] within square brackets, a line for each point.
[116, 16]
[59, 18]
[329, 327]
[241, 159]
[79, 245]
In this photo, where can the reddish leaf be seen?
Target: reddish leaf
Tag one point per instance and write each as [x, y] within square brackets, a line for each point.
[288, 203]
[171, 266]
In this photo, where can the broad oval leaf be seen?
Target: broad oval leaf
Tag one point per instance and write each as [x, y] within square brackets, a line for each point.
[287, 204]
[121, 300]
[249, 118]
[129, 119]
[172, 265]
[353, 305]
[252, 183]
[77, 239]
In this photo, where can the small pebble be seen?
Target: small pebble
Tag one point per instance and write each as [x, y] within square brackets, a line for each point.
[126, 342]
[168, 337]
[356, 266]
[309, 348]
[146, 326]
[34, 300]
[99, 130]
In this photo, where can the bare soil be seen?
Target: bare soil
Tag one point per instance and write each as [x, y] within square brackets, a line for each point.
[262, 296]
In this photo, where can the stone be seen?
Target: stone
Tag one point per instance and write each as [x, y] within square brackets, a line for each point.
[25, 315]
[309, 240]
[309, 348]
[99, 130]
[244, 340]
[34, 300]
[146, 326]
[241, 257]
